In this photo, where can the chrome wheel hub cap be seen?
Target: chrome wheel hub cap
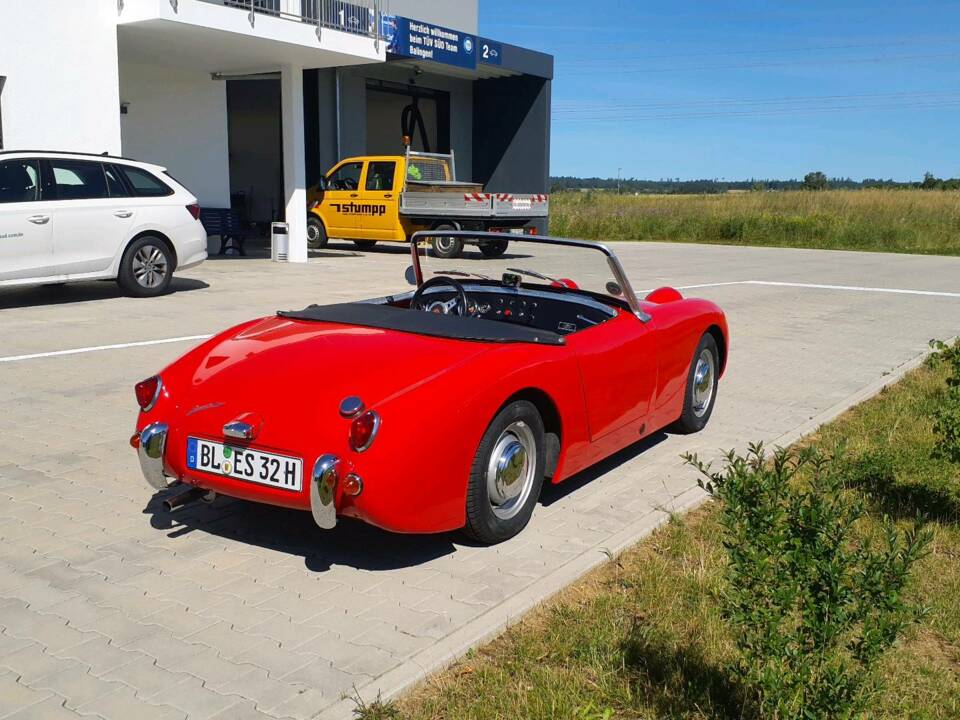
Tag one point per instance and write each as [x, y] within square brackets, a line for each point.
[703, 376]
[149, 266]
[511, 471]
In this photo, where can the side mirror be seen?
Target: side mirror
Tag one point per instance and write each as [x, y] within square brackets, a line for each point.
[410, 275]
[614, 289]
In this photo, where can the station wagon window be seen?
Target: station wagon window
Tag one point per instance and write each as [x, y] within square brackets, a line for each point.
[79, 179]
[345, 177]
[114, 183]
[19, 181]
[145, 184]
[380, 176]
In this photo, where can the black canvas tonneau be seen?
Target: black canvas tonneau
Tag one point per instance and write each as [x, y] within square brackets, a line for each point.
[387, 317]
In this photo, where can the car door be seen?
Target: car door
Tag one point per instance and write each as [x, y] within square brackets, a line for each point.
[618, 367]
[339, 205]
[26, 227]
[90, 226]
[380, 201]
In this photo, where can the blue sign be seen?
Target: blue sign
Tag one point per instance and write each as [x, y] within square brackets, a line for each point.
[425, 41]
[490, 53]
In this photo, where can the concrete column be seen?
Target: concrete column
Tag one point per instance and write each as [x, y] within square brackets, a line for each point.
[294, 165]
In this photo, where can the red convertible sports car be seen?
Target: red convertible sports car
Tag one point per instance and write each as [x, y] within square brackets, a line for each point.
[443, 408]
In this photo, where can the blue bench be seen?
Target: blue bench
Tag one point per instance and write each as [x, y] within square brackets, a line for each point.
[227, 224]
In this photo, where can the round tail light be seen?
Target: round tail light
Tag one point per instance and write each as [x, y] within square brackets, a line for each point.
[363, 431]
[148, 392]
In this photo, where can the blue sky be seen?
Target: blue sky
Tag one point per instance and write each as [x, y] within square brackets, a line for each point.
[746, 89]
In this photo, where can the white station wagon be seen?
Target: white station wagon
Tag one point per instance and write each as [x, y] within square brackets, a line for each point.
[66, 217]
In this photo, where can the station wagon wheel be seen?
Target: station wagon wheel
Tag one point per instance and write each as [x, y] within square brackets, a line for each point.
[316, 233]
[506, 475]
[146, 268]
[701, 390]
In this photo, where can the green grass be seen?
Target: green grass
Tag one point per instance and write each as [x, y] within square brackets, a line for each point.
[904, 221]
[642, 637]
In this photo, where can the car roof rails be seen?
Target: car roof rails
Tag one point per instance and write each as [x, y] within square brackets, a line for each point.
[104, 154]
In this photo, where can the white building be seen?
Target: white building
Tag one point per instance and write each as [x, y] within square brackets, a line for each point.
[255, 98]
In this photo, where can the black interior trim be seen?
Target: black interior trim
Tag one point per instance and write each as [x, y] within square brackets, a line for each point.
[454, 327]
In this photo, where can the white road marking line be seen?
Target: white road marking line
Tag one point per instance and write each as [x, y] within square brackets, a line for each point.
[816, 286]
[769, 283]
[99, 348]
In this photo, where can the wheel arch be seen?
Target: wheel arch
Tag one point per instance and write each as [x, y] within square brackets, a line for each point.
[721, 340]
[552, 424]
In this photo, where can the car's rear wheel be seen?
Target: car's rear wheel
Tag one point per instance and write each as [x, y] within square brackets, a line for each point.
[494, 248]
[146, 268]
[701, 391]
[506, 475]
[447, 247]
[316, 233]
[365, 244]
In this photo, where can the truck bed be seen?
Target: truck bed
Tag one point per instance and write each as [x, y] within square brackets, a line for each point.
[441, 201]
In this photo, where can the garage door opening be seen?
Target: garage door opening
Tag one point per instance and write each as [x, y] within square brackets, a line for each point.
[386, 103]
[255, 129]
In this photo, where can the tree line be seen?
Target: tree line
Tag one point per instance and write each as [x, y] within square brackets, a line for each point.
[815, 180]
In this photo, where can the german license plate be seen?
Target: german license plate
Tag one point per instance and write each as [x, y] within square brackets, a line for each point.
[253, 466]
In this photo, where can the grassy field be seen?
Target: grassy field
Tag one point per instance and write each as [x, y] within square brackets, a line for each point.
[905, 221]
[642, 636]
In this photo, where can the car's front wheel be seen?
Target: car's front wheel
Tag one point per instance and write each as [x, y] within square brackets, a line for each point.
[146, 269]
[506, 475]
[316, 233]
[701, 389]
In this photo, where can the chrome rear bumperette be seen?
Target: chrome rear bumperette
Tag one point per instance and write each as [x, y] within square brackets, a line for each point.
[153, 443]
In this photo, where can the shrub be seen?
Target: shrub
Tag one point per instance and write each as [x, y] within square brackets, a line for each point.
[812, 604]
[946, 418]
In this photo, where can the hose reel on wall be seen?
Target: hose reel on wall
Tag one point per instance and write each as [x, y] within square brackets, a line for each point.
[411, 120]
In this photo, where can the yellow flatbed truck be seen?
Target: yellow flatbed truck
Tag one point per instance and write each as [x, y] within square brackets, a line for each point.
[388, 198]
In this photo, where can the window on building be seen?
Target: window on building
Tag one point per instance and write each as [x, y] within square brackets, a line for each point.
[145, 184]
[345, 177]
[19, 181]
[79, 179]
[380, 176]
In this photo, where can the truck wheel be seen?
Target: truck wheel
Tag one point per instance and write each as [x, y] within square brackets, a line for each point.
[494, 248]
[364, 244]
[447, 247]
[316, 233]
[506, 475]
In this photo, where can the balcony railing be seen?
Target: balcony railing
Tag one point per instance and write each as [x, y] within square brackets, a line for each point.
[359, 17]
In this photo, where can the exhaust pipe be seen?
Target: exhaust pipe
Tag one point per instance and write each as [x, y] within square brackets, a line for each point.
[187, 497]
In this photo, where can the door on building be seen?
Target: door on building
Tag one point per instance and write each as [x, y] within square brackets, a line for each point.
[386, 102]
[339, 204]
[381, 190]
[255, 137]
[26, 226]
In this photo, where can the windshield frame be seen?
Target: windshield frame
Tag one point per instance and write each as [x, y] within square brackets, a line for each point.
[629, 296]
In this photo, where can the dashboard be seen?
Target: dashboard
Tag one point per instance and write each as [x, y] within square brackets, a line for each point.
[564, 314]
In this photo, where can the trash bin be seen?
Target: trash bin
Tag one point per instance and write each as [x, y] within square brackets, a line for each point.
[279, 241]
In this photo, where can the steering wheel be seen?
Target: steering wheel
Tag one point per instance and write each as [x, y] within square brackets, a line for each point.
[455, 306]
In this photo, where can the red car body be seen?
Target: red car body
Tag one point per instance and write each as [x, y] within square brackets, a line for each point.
[604, 389]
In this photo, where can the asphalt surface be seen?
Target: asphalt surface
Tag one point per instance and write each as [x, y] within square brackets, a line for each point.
[110, 607]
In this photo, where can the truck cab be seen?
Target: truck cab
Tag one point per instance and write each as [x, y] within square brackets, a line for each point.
[388, 198]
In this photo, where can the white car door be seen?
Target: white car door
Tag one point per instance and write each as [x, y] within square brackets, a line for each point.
[26, 225]
[90, 226]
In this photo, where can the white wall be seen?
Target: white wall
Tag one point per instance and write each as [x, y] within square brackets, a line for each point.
[178, 118]
[60, 61]
[460, 15]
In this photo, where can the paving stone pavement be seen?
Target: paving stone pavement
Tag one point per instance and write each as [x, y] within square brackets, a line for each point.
[111, 608]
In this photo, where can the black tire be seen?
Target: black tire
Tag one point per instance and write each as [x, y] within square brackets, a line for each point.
[365, 244]
[696, 414]
[447, 247]
[146, 268]
[494, 248]
[491, 522]
[316, 233]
